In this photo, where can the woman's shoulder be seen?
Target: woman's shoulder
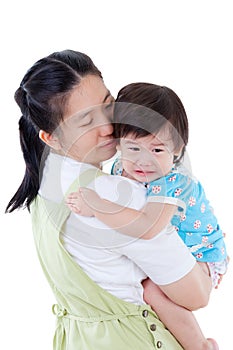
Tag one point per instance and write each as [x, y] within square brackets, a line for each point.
[118, 183]
[121, 190]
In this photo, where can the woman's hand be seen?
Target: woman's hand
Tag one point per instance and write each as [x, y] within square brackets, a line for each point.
[83, 201]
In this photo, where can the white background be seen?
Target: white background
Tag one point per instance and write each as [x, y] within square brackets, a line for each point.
[186, 45]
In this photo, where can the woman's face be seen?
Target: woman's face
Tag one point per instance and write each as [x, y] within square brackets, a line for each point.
[86, 132]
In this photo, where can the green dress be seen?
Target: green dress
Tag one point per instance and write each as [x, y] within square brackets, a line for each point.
[89, 317]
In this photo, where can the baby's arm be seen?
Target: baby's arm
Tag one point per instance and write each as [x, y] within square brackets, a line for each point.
[146, 223]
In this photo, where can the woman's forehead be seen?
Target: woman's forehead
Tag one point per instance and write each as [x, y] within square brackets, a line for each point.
[89, 93]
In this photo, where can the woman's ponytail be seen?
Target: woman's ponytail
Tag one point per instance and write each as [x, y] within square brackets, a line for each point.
[42, 97]
[32, 148]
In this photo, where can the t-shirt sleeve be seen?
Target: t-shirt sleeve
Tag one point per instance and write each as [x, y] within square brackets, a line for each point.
[164, 258]
[171, 189]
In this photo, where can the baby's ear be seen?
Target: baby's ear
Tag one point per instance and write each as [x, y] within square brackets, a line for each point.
[178, 155]
[178, 152]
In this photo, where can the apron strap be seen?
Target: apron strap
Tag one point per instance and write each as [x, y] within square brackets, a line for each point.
[61, 312]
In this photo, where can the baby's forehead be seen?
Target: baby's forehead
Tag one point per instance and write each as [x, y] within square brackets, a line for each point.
[164, 134]
[161, 137]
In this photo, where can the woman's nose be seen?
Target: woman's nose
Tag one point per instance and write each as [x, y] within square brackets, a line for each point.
[106, 129]
[105, 125]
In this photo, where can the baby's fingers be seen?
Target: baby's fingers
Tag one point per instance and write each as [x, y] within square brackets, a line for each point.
[71, 200]
[73, 208]
[73, 195]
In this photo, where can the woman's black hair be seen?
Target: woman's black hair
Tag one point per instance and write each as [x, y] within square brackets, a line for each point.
[143, 108]
[42, 97]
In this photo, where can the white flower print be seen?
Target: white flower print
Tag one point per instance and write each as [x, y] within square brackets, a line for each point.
[205, 239]
[203, 207]
[178, 192]
[199, 255]
[210, 228]
[197, 224]
[156, 189]
[172, 178]
[192, 201]
[182, 217]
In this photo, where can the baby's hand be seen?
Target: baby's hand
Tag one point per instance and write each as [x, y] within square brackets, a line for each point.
[82, 201]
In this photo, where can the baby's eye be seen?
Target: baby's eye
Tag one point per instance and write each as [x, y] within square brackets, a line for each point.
[157, 150]
[135, 149]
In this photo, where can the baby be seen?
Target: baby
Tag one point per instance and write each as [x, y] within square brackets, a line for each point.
[151, 127]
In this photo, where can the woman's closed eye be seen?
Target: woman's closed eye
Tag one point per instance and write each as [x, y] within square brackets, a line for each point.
[108, 109]
[86, 121]
[109, 106]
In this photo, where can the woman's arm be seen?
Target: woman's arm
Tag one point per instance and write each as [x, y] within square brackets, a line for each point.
[144, 223]
[166, 260]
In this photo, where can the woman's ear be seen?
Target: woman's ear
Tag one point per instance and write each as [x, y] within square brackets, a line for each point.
[50, 139]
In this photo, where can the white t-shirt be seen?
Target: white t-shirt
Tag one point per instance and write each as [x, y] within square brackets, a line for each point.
[116, 262]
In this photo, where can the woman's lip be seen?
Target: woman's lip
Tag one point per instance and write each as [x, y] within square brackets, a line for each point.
[111, 142]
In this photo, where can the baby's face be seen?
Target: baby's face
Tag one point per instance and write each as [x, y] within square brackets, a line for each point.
[147, 158]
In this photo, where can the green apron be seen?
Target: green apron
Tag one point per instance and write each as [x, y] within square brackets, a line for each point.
[88, 317]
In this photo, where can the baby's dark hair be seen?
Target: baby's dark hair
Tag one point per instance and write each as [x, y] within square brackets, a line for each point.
[142, 109]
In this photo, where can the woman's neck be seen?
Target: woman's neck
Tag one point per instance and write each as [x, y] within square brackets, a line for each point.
[67, 155]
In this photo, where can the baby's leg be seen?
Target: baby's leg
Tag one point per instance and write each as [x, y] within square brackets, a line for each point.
[180, 321]
[216, 270]
[204, 267]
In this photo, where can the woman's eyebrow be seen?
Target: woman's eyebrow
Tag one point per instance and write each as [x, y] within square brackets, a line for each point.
[76, 118]
[81, 115]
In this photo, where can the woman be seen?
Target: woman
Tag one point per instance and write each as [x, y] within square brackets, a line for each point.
[65, 134]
